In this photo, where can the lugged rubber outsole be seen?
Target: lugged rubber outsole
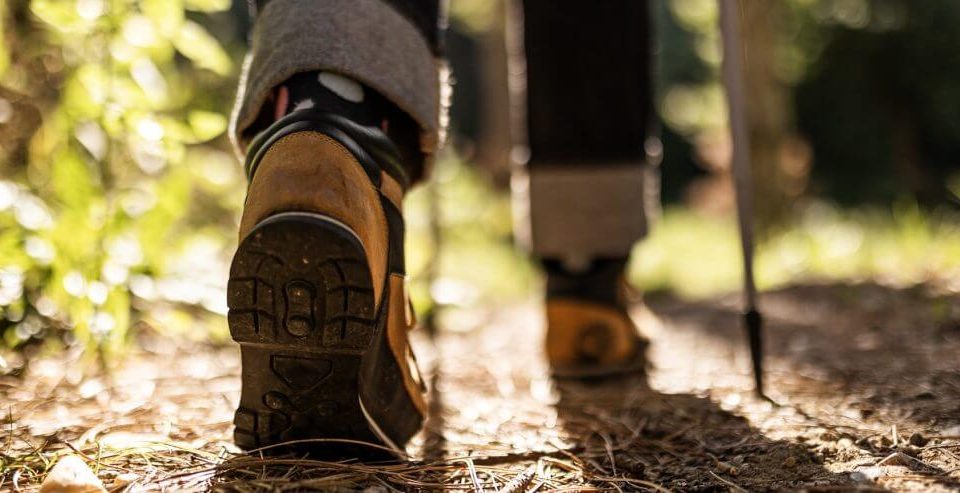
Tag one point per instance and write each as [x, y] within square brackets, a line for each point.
[301, 305]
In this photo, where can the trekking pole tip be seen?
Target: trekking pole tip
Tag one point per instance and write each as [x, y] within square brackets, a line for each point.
[753, 323]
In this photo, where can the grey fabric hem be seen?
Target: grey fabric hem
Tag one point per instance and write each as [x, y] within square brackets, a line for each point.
[576, 213]
[366, 40]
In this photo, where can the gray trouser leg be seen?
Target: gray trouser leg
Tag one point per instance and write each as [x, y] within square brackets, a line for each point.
[366, 40]
[579, 213]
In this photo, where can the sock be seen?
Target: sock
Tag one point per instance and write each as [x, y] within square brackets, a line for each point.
[334, 93]
[341, 95]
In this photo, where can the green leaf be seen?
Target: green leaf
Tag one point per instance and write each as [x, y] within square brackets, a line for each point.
[166, 14]
[207, 5]
[60, 15]
[195, 43]
[206, 125]
[72, 180]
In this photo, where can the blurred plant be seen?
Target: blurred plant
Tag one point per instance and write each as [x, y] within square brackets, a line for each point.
[477, 263]
[693, 107]
[880, 100]
[94, 207]
[696, 255]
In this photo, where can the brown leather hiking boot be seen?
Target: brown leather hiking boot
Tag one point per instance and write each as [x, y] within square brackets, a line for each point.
[590, 333]
[316, 291]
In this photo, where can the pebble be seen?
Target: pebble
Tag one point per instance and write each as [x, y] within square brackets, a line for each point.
[71, 475]
[728, 468]
[918, 440]
[790, 461]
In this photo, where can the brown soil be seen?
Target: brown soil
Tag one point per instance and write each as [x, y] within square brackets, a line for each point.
[866, 380]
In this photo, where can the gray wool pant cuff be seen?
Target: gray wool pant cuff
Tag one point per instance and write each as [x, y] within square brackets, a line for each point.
[366, 40]
[578, 213]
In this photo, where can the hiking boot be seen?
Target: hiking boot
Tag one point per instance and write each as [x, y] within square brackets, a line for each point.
[590, 333]
[316, 293]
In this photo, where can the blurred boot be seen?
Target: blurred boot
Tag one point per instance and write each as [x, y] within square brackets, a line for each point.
[588, 180]
[589, 329]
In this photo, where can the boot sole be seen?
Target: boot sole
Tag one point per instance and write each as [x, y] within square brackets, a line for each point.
[301, 305]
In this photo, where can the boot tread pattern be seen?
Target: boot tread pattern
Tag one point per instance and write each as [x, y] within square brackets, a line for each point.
[301, 305]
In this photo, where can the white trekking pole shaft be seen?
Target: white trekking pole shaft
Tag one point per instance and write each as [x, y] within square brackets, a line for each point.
[733, 80]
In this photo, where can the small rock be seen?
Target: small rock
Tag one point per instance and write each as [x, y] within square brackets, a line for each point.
[790, 462]
[728, 468]
[918, 440]
[71, 475]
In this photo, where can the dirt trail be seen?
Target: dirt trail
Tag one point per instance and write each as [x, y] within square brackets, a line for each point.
[867, 379]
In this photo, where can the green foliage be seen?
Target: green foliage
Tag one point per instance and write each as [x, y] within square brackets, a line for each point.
[881, 97]
[113, 191]
[476, 262]
[698, 255]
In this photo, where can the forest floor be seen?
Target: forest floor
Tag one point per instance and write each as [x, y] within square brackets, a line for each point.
[866, 381]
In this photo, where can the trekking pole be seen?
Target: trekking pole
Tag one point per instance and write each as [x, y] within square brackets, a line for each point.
[733, 80]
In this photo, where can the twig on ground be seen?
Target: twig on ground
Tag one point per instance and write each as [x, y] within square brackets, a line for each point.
[727, 482]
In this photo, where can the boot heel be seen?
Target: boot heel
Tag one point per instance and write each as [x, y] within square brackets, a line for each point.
[301, 305]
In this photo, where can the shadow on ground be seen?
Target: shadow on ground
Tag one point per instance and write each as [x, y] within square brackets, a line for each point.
[494, 402]
[870, 370]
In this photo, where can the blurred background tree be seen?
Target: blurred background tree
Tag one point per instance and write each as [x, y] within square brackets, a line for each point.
[119, 193]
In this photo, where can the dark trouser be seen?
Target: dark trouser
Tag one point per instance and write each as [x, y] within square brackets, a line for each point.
[588, 111]
[587, 100]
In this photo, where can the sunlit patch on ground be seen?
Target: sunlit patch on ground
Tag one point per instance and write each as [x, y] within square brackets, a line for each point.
[866, 377]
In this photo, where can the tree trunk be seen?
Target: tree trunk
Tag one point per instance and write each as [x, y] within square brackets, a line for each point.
[769, 112]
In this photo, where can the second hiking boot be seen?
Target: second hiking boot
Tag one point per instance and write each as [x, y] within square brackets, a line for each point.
[590, 333]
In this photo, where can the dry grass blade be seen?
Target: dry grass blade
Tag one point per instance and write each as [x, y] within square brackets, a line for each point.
[520, 482]
[727, 482]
